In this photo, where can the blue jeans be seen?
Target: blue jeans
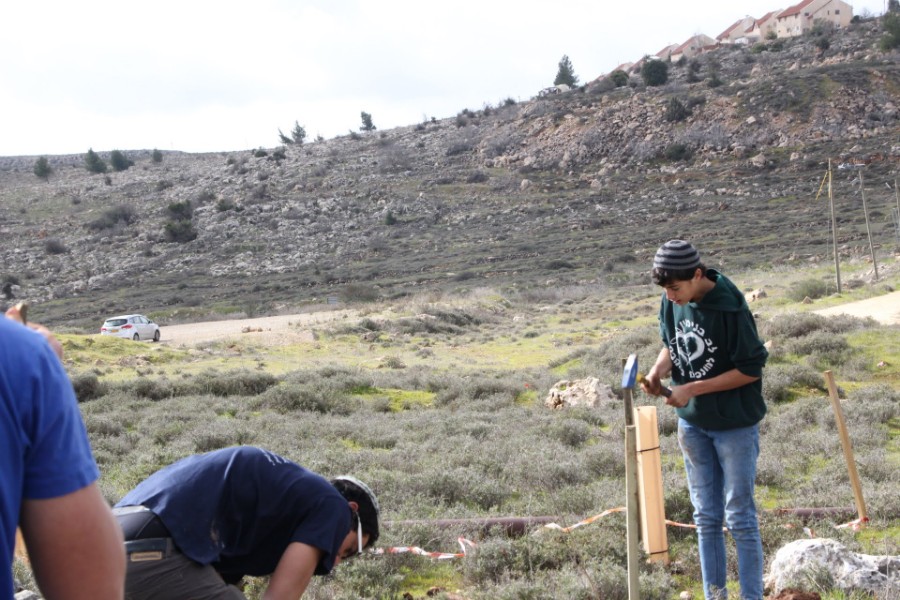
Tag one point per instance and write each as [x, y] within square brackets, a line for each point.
[721, 471]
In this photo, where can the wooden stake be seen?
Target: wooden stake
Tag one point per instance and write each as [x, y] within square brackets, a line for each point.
[837, 262]
[847, 447]
[631, 486]
[653, 512]
[862, 189]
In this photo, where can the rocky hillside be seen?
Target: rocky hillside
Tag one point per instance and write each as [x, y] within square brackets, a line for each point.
[575, 188]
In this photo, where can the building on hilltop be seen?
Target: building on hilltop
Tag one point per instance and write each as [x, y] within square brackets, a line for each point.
[737, 33]
[695, 45]
[800, 18]
[764, 26]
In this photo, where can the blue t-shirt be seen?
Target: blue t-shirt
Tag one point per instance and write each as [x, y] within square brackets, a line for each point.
[44, 449]
[239, 508]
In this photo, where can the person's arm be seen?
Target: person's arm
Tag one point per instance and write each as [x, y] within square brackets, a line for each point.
[652, 383]
[15, 313]
[293, 573]
[75, 546]
[728, 380]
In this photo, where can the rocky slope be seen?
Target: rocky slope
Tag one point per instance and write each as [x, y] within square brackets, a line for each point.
[571, 189]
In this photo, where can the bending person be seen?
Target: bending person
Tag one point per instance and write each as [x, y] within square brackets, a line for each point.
[194, 529]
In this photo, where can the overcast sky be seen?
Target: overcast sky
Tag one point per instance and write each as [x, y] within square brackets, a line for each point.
[211, 75]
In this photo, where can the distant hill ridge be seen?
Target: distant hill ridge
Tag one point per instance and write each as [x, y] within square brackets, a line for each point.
[576, 188]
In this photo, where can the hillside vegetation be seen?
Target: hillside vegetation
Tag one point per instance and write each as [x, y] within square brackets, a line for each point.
[574, 188]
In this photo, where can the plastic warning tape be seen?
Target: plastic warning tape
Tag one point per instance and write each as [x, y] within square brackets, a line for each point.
[856, 525]
[463, 542]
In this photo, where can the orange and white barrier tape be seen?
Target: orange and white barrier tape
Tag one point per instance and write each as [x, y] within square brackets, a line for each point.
[856, 525]
[463, 542]
[587, 521]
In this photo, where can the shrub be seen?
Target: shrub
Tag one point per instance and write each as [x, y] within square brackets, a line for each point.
[808, 288]
[619, 77]
[42, 169]
[676, 111]
[360, 292]
[55, 246]
[180, 210]
[119, 161]
[111, 217]
[93, 163]
[655, 72]
[180, 231]
[891, 25]
[88, 387]
[677, 151]
[156, 156]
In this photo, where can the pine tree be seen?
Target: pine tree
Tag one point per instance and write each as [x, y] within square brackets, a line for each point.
[156, 156]
[42, 168]
[119, 161]
[566, 74]
[367, 124]
[93, 163]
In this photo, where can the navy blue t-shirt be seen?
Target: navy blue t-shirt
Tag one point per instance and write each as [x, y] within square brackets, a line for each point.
[239, 508]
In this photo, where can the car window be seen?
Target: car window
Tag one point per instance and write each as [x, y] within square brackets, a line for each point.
[115, 322]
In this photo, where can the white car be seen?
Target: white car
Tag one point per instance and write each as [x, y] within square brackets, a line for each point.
[132, 327]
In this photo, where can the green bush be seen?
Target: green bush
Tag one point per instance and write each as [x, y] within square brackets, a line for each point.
[42, 168]
[891, 25]
[118, 215]
[179, 231]
[93, 163]
[676, 111]
[88, 387]
[677, 151]
[655, 72]
[119, 161]
[619, 77]
[808, 288]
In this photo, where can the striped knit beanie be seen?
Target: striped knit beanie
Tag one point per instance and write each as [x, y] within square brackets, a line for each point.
[676, 255]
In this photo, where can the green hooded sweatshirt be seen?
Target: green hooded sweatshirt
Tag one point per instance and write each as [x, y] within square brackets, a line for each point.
[708, 338]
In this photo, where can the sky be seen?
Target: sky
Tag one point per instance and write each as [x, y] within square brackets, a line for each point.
[222, 75]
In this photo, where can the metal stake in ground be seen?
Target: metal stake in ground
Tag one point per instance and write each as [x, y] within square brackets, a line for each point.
[629, 375]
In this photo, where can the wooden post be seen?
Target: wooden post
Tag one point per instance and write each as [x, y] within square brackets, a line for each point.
[837, 261]
[631, 479]
[653, 512]
[862, 189]
[21, 551]
[847, 447]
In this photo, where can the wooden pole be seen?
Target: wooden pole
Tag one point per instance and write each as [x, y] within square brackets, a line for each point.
[653, 512]
[631, 479]
[897, 197]
[847, 447]
[837, 262]
[862, 188]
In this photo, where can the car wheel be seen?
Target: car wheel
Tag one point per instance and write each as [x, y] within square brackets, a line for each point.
[156, 335]
[136, 337]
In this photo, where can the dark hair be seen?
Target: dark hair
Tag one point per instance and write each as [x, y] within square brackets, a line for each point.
[356, 491]
[663, 276]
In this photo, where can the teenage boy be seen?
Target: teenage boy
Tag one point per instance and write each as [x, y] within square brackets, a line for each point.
[715, 358]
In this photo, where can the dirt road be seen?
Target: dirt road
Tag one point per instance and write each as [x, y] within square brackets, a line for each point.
[293, 329]
[884, 309]
[278, 330]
